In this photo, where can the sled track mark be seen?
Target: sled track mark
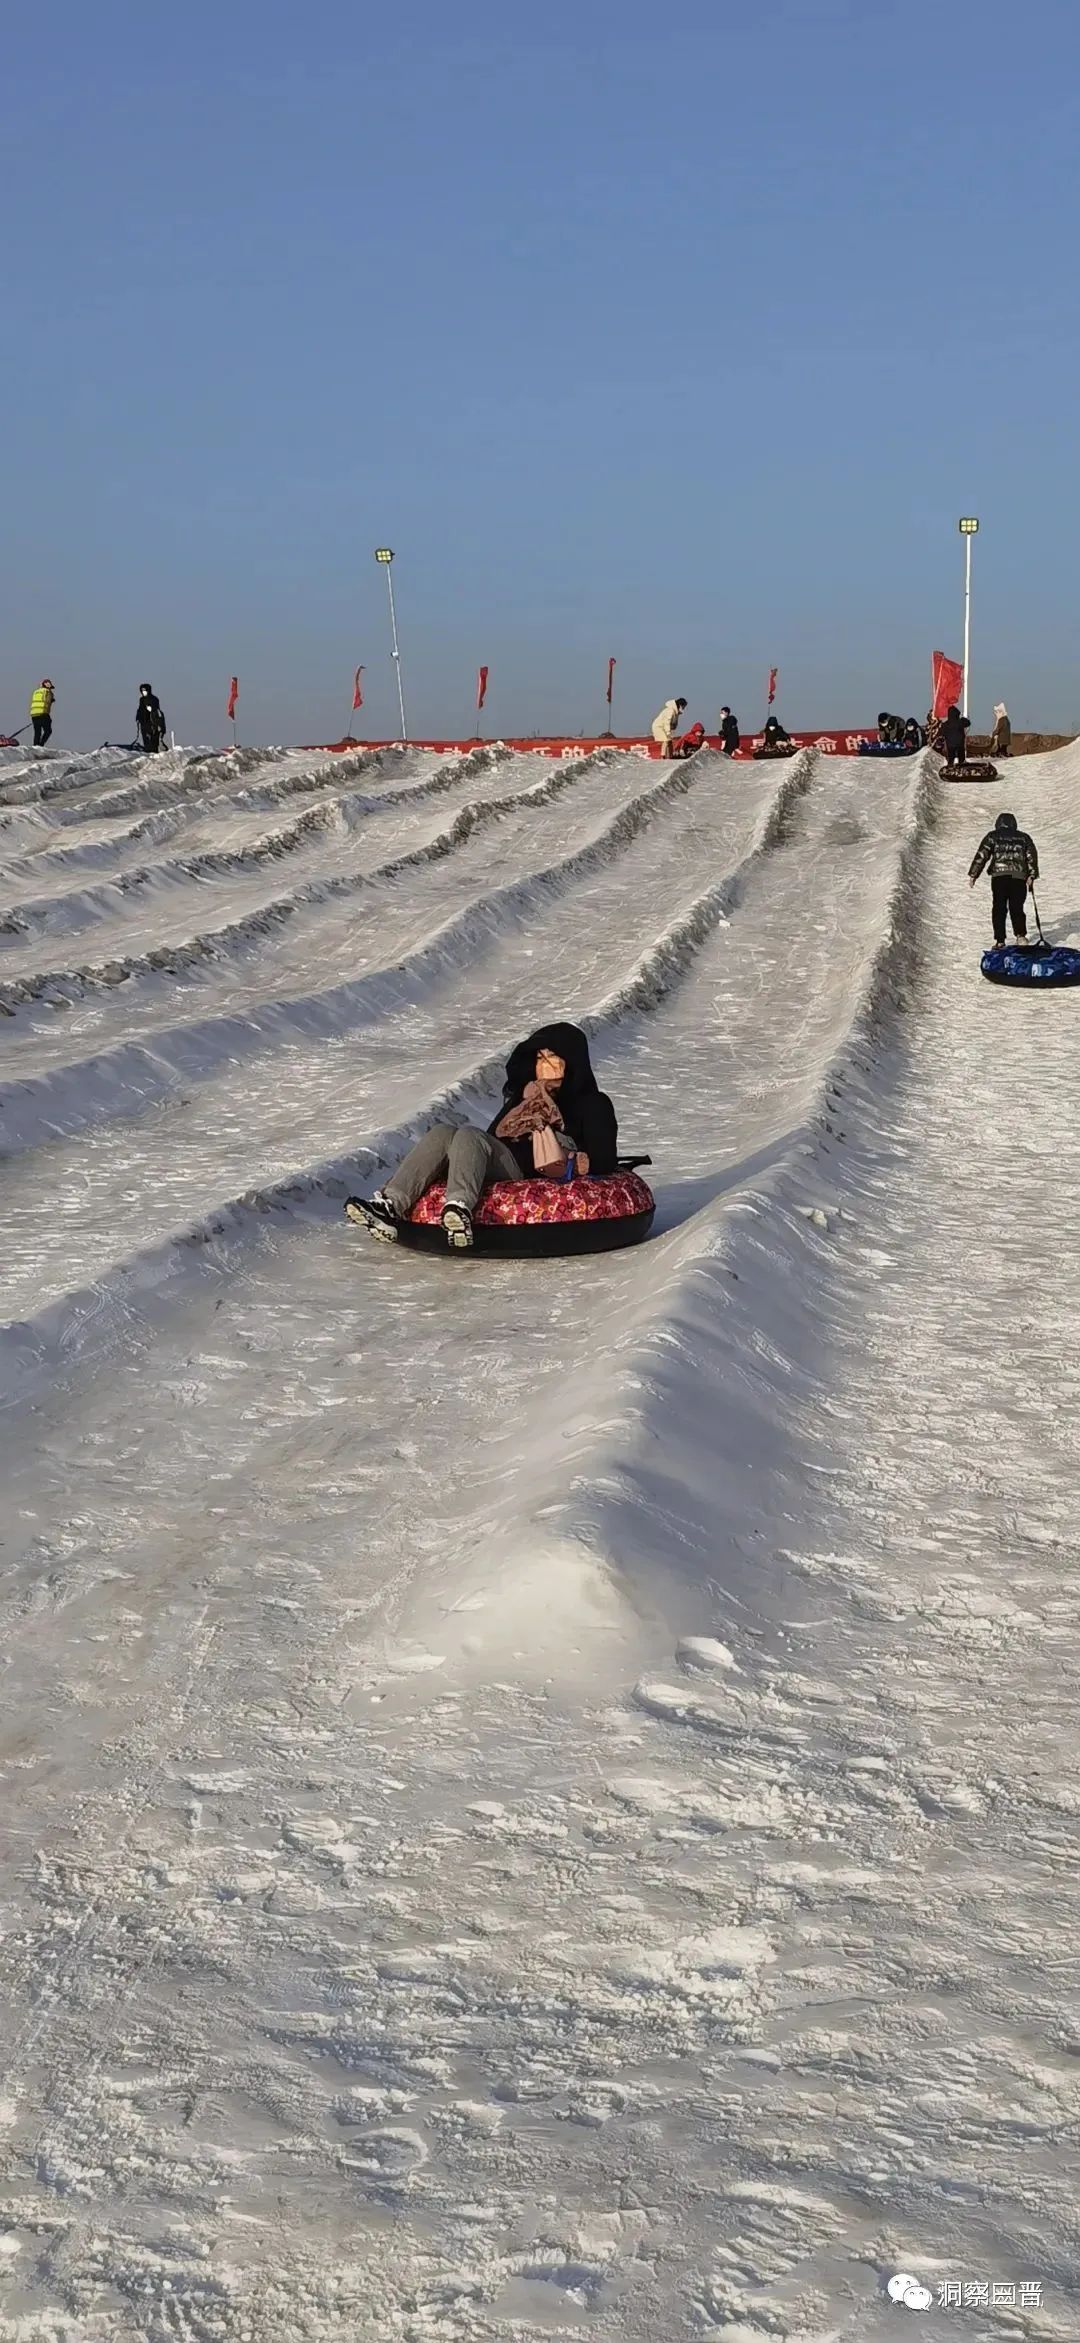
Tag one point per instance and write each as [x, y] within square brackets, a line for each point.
[354, 1004]
[341, 816]
[222, 943]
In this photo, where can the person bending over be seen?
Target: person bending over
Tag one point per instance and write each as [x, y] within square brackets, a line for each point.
[665, 726]
[691, 741]
[1014, 867]
[554, 1124]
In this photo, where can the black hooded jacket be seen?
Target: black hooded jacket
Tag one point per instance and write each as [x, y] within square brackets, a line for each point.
[150, 717]
[957, 728]
[729, 734]
[774, 735]
[588, 1116]
[1011, 854]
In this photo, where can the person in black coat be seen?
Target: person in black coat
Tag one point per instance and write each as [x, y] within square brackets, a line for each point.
[774, 735]
[914, 736]
[150, 720]
[1013, 862]
[957, 728]
[554, 1123]
[730, 736]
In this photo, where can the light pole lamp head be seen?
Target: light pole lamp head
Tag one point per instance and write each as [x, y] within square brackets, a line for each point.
[968, 528]
[383, 552]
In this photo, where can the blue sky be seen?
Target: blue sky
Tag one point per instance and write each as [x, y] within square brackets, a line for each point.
[682, 334]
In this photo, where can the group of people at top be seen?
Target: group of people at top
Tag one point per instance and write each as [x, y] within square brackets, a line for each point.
[672, 743]
[149, 716]
[948, 734]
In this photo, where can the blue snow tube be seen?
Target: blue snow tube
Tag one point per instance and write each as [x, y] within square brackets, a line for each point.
[885, 748]
[1040, 964]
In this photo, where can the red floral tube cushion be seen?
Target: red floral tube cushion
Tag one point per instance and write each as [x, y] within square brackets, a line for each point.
[523, 1203]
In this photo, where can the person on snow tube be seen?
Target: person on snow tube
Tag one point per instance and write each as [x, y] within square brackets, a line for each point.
[1014, 867]
[957, 728]
[730, 736]
[150, 720]
[690, 741]
[914, 736]
[554, 1124]
[774, 735]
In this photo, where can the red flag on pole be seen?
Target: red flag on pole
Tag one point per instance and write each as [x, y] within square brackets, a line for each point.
[358, 689]
[611, 665]
[234, 694]
[947, 684]
[481, 687]
[773, 673]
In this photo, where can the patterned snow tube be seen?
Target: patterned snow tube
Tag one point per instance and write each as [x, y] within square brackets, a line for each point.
[976, 769]
[886, 748]
[1038, 964]
[534, 1219]
[782, 748]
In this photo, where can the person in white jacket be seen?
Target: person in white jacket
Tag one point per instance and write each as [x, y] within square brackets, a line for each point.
[666, 724]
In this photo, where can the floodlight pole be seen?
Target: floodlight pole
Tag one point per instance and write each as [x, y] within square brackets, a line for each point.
[384, 555]
[968, 529]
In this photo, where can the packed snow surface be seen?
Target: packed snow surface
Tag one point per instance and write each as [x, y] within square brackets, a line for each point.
[538, 1801]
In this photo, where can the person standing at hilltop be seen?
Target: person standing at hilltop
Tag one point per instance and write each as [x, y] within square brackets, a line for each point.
[730, 736]
[1001, 744]
[150, 720]
[665, 726]
[957, 728]
[41, 708]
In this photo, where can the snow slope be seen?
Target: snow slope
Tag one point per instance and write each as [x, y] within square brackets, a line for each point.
[536, 1802]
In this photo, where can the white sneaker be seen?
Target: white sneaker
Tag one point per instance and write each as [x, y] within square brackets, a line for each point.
[457, 1220]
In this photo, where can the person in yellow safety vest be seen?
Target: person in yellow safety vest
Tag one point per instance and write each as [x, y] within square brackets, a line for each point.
[41, 708]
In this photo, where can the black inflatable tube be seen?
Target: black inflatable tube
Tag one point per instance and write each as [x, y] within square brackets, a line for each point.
[538, 1240]
[979, 769]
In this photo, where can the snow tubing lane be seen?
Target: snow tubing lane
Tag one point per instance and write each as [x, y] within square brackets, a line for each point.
[1038, 964]
[980, 769]
[536, 1219]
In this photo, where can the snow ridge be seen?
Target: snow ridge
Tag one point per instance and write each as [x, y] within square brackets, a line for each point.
[31, 1352]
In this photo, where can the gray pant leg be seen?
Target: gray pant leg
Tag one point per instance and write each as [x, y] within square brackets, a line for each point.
[476, 1158]
[424, 1163]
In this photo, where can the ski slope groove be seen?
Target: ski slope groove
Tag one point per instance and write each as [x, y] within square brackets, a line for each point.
[537, 1802]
